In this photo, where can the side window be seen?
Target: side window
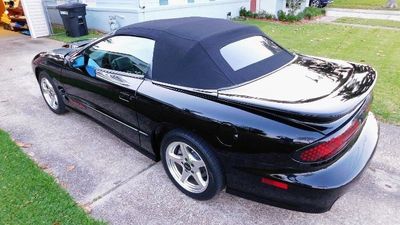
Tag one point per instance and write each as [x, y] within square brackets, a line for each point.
[121, 53]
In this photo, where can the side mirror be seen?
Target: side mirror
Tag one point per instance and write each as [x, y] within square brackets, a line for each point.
[78, 62]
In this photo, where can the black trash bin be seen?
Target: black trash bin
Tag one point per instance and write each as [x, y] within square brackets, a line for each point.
[73, 17]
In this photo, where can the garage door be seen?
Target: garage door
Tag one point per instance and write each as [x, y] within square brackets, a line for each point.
[36, 18]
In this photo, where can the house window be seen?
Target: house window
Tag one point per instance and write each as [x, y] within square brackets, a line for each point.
[163, 2]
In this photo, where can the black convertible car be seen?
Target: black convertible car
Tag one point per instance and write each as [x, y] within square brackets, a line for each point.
[222, 105]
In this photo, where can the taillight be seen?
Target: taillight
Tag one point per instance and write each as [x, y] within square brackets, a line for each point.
[329, 148]
[275, 183]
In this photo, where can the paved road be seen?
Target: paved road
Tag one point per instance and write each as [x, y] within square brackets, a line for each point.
[124, 187]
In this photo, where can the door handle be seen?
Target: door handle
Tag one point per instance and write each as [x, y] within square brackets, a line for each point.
[126, 97]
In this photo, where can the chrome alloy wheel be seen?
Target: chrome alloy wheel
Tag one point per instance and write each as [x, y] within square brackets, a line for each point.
[187, 167]
[49, 93]
[314, 3]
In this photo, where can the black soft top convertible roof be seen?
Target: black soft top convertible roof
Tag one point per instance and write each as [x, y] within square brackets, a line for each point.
[187, 51]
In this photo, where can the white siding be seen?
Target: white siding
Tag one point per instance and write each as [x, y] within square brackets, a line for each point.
[117, 4]
[214, 9]
[304, 4]
[133, 11]
[99, 3]
[36, 18]
[273, 6]
[155, 3]
[270, 6]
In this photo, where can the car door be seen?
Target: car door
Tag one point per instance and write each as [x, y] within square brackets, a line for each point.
[102, 81]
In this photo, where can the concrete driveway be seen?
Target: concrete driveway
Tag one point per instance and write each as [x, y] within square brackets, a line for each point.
[122, 186]
[364, 13]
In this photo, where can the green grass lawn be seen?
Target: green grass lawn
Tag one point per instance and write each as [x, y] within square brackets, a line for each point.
[359, 4]
[376, 47]
[59, 34]
[371, 22]
[30, 196]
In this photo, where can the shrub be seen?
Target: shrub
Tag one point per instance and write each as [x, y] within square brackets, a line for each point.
[288, 17]
[264, 15]
[242, 11]
[281, 15]
[294, 18]
[245, 13]
[269, 16]
[249, 13]
[261, 14]
[311, 12]
[307, 13]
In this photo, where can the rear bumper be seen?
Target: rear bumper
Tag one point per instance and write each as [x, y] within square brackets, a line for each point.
[316, 191]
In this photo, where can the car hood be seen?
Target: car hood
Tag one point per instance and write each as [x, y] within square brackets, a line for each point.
[60, 53]
[309, 88]
[78, 44]
[56, 54]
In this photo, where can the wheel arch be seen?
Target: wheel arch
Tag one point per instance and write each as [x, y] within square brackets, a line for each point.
[161, 130]
[37, 72]
[157, 136]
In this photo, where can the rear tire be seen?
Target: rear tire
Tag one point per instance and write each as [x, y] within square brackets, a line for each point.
[51, 94]
[192, 165]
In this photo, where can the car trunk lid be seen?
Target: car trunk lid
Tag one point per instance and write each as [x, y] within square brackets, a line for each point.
[309, 89]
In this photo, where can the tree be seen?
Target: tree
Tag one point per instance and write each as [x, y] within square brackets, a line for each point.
[391, 4]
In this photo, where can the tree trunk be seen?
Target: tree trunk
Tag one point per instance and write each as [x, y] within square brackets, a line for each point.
[391, 4]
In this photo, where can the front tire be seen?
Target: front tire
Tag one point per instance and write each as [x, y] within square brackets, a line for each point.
[51, 94]
[191, 165]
